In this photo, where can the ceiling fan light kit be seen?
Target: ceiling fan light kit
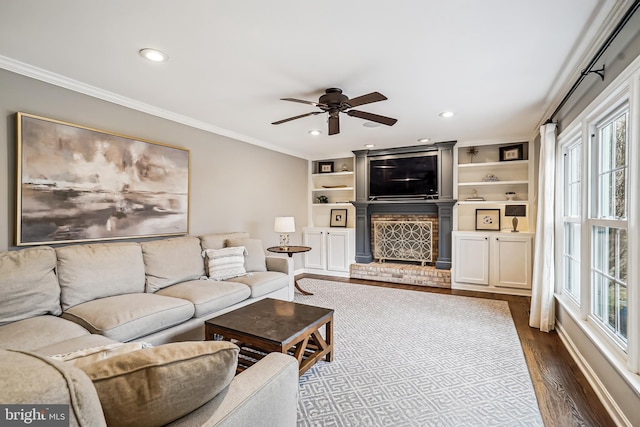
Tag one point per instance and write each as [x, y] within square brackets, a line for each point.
[334, 102]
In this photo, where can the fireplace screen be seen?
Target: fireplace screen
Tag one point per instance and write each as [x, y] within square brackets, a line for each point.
[402, 240]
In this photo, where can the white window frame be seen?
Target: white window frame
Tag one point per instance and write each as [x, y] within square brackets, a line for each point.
[624, 89]
[573, 143]
[592, 218]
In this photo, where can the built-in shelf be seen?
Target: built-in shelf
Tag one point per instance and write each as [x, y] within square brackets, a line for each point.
[493, 164]
[340, 191]
[485, 176]
[481, 183]
[492, 202]
[315, 175]
[333, 189]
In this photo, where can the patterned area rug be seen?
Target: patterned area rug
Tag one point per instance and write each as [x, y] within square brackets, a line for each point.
[409, 358]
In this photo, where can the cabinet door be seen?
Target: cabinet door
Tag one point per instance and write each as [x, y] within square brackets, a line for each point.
[472, 258]
[512, 261]
[315, 257]
[337, 250]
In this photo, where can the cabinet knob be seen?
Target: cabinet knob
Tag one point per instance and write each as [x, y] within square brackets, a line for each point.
[486, 238]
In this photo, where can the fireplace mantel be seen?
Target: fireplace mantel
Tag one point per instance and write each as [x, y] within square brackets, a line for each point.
[442, 207]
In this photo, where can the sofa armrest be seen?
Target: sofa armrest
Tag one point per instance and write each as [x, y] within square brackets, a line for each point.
[283, 265]
[266, 394]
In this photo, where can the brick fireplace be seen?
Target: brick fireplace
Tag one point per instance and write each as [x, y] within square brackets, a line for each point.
[438, 211]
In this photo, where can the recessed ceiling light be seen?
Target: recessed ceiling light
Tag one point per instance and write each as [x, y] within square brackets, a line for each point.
[446, 114]
[424, 140]
[314, 132]
[369, 145]
[154, 55]
[371, 124]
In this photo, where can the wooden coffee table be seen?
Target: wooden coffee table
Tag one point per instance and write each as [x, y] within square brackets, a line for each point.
[272, 325]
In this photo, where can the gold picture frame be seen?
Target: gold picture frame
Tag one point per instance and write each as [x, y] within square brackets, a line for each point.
[76, 184]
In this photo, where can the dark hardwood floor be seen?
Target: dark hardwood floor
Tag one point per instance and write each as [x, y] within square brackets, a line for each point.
[564, 396]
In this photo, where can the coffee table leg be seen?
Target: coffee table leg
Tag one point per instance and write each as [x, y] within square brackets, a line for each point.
[329, 340]
[302, 291]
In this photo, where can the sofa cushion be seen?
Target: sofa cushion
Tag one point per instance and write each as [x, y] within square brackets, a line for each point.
[255, 259]
[218, 240]
[263, 282]
[225, 263]
[36, 332]
[171, 261]
[87, 356]
[89, 272]
[208, 296]
[30, 379]
[28, 284]
[127, 317]
[155, 386]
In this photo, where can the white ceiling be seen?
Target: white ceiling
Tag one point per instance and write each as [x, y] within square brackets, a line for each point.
[501, 65]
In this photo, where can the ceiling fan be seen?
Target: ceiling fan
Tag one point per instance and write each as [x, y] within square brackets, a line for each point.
[334, 103]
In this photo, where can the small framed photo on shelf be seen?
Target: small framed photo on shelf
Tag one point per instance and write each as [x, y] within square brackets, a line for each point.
[511, 152]
[338, 218]
[325, 167]
[488, 219]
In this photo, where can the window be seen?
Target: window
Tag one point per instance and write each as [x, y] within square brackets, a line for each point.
[608, 225]
[597, 204]
[572, 219]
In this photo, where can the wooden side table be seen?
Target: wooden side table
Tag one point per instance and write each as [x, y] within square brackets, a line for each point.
[290, 250]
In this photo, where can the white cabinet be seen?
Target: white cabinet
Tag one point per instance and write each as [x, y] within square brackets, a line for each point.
[492, 261]
[332, 250]
[473, 252]
[511, 260]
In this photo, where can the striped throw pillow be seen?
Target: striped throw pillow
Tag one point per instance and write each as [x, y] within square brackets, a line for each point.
[225, 263]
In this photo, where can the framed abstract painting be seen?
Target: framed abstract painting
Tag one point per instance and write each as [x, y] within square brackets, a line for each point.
[77, 184]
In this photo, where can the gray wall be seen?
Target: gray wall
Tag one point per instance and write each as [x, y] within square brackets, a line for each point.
[235, 186]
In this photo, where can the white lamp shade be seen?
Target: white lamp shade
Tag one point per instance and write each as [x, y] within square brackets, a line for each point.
[284, 224]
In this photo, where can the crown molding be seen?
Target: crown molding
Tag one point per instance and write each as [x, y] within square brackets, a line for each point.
[46, 76]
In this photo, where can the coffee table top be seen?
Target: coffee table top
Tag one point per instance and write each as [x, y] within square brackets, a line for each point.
[272, 319]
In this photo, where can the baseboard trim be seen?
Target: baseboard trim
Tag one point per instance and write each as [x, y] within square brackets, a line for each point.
[607, 400]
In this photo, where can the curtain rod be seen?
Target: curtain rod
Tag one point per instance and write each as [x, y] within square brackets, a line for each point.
[625, 19]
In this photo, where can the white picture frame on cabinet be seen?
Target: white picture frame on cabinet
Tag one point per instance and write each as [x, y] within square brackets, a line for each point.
[488, 219]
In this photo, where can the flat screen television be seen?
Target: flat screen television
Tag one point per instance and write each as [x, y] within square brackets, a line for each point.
[414, 176]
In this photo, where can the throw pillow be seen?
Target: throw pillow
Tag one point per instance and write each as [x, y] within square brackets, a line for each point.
[87, 356]
[225, 263]
[255, 259]
[28, 284]
[155, 386]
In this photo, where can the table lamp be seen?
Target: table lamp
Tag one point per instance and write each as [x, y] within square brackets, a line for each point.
[284, 225]
[515, 211]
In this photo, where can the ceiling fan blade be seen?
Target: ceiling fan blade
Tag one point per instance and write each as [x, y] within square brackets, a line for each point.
[302, 101]
[296, 117]
[334, 125]
[372, 117]
[366, 99]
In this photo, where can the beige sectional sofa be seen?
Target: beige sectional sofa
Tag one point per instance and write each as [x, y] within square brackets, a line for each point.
[56, 301]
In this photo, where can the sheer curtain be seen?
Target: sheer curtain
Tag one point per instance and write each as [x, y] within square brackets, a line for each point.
[543, 282]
